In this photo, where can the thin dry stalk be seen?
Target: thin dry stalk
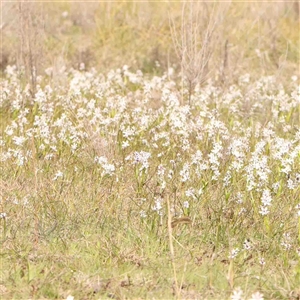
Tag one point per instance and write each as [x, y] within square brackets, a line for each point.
[171, 246]
[225, 63]
[30, 32]
[196, 41]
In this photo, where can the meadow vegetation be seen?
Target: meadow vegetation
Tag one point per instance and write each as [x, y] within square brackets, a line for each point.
[129, 173]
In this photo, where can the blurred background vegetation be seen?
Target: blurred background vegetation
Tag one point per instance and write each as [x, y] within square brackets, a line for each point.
[256, 38]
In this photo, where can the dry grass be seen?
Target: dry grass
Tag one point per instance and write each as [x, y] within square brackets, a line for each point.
[109, 35]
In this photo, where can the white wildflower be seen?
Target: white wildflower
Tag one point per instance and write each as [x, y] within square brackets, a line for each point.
[3, 215]
[157, 205]
[108, 169]
[298, 209]
[143, 214]
[262, 261]
[58, 174]
[125, 144]
[190, 192]
[266, 198]
[233, 253]
[141, 158]
[264, 210]
[186, 204]
[19, 140]
[237, 294]
[247, 244]
[185, 172]
[257, 296]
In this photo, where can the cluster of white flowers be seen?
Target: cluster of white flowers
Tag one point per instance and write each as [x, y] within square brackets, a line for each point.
[108, 169]
[141, 158]
[158, 205]
[286, 241]
[258, 169]
[214, 160]
[266, 200]
[238, 144]
[185, 172]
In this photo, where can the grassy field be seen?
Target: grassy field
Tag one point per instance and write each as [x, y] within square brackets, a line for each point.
[261, 38]
[150, 151]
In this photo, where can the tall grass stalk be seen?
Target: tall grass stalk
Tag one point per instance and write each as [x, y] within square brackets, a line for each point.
[31, 30]
[171, 246]
[196, 41]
